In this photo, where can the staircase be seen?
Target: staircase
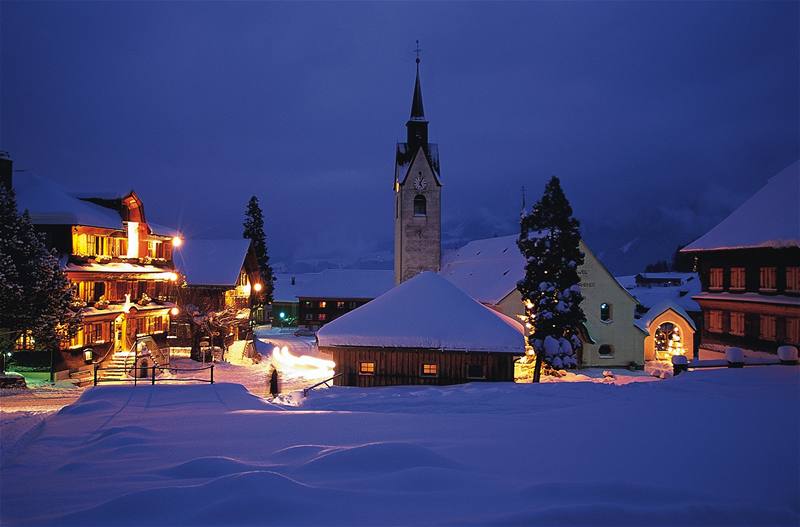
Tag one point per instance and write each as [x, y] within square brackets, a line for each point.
[120, 363]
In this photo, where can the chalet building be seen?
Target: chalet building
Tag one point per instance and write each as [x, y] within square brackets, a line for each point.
[424, 331]
[120, 266]
[613, 334]
[334, 292]
[749, 266]
[221, 277]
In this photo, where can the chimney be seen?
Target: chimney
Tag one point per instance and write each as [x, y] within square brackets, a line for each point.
[5, 170]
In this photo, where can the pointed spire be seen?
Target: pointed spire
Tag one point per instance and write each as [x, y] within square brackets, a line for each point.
[417, 111]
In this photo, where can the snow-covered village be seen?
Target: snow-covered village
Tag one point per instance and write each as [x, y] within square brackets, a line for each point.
[242, 284]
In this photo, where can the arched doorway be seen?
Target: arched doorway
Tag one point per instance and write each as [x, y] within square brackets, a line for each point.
[668, 341]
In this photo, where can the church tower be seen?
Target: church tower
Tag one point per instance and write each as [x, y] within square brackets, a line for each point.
[417, 197]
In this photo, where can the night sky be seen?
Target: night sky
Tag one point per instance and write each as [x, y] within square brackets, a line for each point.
[658, 118]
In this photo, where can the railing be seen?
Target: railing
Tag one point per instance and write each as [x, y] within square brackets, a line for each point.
[152, 377]
[325, 382]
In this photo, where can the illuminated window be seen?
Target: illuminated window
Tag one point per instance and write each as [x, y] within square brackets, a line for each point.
[793, 279]
[714, 321]
[793, 330]
[25, 342]
[430, 370]
[366, 368]
[420, 206]
[715, 278]
[737, 324]
[322, 317]
[323, 304]
[93, 333]
[766, 327]
[307, 303]
[340, 305]
[767, 281]
[606, 350]
[605, 312]
[475, 371]
[737, 279]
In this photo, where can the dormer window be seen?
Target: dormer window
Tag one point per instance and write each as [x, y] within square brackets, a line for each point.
[420, 205]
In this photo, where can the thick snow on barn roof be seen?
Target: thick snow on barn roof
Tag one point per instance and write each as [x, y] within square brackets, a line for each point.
[486, 269]
[49, 204]
[211, 262]
[426, 311]
[770, 218]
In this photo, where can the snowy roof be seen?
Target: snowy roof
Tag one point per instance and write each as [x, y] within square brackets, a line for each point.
[649, 296]
[49, 204]
[334, 283]
[770, 218]
[488, 270]
[163, 230]
[152, 271]
[644, 322]
[211, 262]
[428, 312]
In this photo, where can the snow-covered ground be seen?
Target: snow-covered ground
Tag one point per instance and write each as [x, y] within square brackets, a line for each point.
[713, 447]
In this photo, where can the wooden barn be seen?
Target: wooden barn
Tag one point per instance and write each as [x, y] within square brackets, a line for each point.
[424, 331]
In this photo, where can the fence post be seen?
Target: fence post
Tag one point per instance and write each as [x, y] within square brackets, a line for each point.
[212, 373]
[95, 374]
[154, 373]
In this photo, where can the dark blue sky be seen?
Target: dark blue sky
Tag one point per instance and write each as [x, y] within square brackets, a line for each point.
[658, 117]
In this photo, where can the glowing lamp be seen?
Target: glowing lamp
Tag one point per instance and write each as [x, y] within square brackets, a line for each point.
[177, 241]
[172, 277]
[282, 315]
[257, 287]
[174, 311]
[87, 354]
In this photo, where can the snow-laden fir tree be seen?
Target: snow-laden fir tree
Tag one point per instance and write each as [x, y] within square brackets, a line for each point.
[254, 230]
[35, 294]
[549, 240]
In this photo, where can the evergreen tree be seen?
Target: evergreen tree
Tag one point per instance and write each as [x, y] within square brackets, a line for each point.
[549, 238]
[254, 230]
[35, 294]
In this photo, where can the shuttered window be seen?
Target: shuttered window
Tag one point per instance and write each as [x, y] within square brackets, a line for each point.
[715, 278]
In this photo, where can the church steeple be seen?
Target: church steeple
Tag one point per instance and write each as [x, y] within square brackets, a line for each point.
[417, 125]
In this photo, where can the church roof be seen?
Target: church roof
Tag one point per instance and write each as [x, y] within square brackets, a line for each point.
[426, 312]
[488, 270]
[405, 158]
[770, 218]
[417, 111]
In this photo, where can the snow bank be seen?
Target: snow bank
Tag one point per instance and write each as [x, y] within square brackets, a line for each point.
[203, 454]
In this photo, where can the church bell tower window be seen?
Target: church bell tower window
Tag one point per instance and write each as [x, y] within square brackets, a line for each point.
[420, 205]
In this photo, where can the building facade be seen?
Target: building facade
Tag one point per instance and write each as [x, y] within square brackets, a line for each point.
[417, 197]
[749, 266]
[120, 266]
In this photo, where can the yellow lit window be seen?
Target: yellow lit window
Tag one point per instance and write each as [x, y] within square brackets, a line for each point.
[340, 304]
[737, 324]
[793, 279]
[25, 342]
[366, 368]
[766, 326]
[715, 278]
[737, 278]
[323, 304]
[430, 370]
[767, 281]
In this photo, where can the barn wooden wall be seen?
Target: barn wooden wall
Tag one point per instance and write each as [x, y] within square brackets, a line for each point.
[395, 366]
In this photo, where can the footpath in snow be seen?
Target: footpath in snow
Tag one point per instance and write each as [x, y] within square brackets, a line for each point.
[717, 447]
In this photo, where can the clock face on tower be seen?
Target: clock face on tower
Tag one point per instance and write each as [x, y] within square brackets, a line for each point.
[420, 183]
